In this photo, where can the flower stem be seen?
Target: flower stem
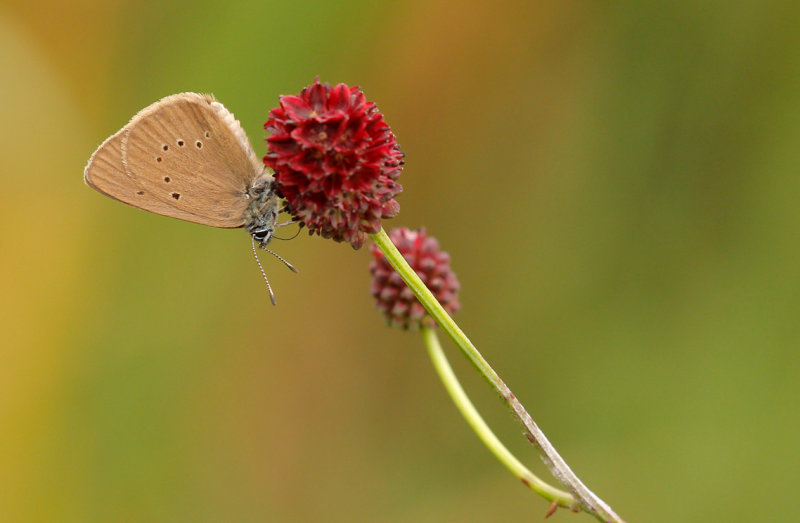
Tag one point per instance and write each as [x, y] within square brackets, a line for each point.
[589, 501]
[467, 409]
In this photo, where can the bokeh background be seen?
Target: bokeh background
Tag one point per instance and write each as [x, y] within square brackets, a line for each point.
[617, 184]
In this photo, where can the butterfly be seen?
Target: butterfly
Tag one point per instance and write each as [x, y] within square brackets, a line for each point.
[187, 157]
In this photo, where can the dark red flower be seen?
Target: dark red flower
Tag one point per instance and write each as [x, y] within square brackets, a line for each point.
[398, 304]
[335, 161]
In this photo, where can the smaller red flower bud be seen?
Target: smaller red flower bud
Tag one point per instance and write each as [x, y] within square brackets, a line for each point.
[393, 297]
[336, 161]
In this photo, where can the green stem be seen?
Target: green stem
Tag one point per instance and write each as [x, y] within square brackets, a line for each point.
[558, 467]
[467, 409]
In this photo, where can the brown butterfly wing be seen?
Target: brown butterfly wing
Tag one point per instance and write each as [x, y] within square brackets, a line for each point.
[185, 157]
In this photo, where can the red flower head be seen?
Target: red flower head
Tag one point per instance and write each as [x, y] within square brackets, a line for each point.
[394, 298]
[335, 161]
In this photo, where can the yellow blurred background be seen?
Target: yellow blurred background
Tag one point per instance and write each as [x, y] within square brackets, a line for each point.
[617, 184]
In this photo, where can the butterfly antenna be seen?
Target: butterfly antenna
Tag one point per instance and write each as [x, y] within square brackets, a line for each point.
[264, 274]
[291, 267]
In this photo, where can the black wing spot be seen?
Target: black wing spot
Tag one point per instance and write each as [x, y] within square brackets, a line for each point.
[158, 158]
[166, 179]
[140, 193]
[165, 147]
[176, 196]
[208, 134]
[199, 144]
[180, 143]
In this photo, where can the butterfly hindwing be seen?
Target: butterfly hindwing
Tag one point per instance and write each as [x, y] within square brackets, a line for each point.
[106, 174]
[185, 157]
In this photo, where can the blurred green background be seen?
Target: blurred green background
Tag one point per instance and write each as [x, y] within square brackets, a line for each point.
[617, 184]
